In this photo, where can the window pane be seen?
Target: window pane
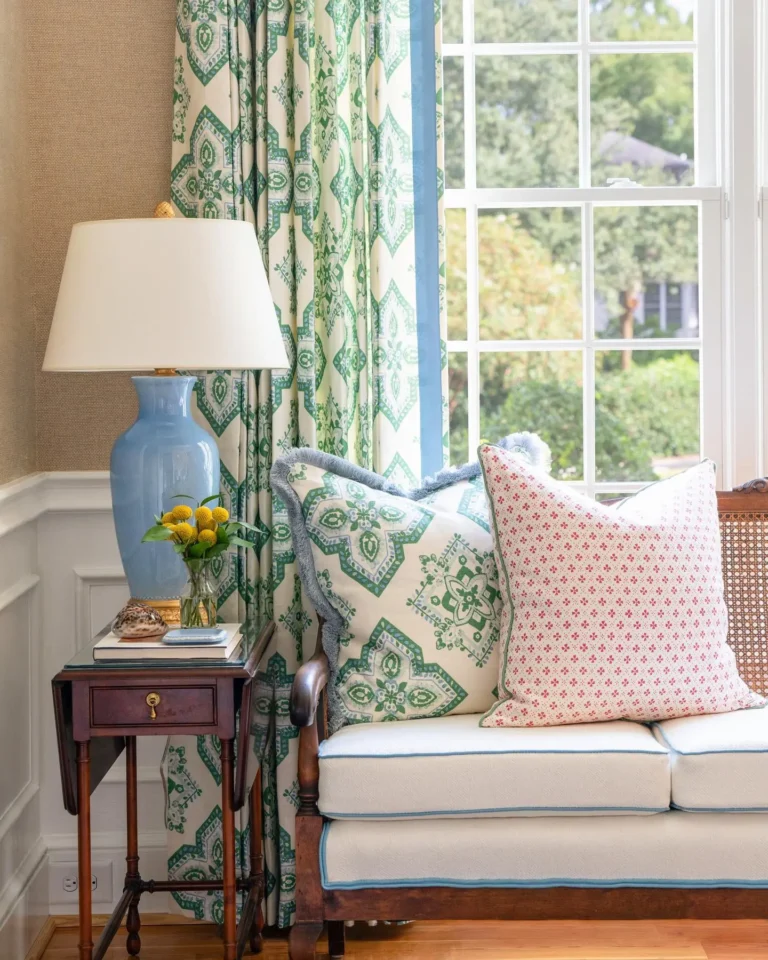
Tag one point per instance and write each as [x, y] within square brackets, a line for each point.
[526, 21]
[458, 410]
[646, 272]
[527, 121]
[537, 391]
[641, 19]
[453, 101]
[456, 273]
[642, 118]
[646, 413]
[453, 30]
[530, 274]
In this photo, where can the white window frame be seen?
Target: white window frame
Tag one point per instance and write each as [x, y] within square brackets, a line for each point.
[725, 193]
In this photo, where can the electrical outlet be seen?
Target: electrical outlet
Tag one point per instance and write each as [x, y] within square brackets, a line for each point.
[64, 882]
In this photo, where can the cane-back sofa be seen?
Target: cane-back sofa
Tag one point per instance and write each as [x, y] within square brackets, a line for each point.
[389, 826]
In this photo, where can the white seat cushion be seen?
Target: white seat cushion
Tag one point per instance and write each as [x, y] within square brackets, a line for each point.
[719, 762]
[673, 849]
[452, 767]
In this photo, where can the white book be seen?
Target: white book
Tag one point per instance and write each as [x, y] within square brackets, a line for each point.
[115, 648]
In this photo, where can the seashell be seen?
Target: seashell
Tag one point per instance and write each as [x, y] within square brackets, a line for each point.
[138, 621]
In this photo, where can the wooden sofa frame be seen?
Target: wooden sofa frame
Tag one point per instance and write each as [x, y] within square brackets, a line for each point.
[744, 537]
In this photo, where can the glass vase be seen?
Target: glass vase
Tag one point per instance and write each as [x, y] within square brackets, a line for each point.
[198, 601]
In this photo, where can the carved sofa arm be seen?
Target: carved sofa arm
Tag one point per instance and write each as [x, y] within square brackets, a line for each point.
[309, 682]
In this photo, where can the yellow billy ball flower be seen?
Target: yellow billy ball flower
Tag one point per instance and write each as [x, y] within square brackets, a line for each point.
[182, 512]
[220, 515]
[170, 526]
[208, 537]
[203, 516]
[167, 518]
[184, 532]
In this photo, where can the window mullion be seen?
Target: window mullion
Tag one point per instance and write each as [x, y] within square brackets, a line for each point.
[470, 126]
[470, 183]
[587, 256]
[588, 376]
[743, 336]
[473, 331]
[585, 160]
[712, 351]
[706, 75]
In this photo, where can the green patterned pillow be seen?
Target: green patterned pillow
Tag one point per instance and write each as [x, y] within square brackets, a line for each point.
[406, 583]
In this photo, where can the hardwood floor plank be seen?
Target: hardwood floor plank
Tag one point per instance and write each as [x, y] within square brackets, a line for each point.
[173, 938]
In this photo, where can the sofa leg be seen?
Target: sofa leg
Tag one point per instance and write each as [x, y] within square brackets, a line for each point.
[302, 941]
[336, 939]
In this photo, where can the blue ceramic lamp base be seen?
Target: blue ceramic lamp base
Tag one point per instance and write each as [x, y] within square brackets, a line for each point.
[164, 453]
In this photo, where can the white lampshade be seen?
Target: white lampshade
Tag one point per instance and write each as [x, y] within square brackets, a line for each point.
[164, 294]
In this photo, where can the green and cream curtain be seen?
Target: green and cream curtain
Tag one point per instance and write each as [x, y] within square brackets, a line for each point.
[297, 117]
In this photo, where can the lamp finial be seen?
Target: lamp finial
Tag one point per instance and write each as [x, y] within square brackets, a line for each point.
[164, 211]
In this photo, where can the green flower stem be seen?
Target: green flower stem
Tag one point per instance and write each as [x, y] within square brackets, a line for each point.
[198, 604]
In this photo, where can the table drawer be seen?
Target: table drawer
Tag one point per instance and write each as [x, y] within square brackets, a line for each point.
[143, 706]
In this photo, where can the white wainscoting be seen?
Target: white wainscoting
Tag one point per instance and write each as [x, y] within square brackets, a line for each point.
[23, 876]
[61, 581]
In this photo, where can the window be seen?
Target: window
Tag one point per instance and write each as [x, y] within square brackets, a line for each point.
[585, 232]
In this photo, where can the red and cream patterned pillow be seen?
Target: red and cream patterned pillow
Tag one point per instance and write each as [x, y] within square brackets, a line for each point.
[609, 613]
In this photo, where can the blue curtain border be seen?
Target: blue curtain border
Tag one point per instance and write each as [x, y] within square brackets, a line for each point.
[426, 225]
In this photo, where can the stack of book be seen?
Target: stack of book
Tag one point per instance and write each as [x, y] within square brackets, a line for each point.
[111, 647]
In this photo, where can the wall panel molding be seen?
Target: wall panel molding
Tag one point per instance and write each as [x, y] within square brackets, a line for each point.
[23, 501]
[86, 580]
[22, 586]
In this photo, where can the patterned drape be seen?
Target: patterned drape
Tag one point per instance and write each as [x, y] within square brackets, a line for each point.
[295, 116]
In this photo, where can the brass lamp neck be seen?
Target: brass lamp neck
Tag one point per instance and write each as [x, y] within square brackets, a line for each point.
[165, 372]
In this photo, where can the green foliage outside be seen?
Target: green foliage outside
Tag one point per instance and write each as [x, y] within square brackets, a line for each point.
[650, 411]
[530, 259]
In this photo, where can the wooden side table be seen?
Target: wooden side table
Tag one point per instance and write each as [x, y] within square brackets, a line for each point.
[101, 707]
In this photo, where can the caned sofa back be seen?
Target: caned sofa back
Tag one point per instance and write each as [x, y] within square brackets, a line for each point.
[744, 538]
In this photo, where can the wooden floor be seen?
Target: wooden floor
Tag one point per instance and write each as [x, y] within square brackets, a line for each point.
[169, 939]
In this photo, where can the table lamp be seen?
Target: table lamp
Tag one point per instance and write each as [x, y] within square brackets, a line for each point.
[159, 295]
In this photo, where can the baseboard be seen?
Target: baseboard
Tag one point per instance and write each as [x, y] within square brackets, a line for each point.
[52, 924]
[42, 940]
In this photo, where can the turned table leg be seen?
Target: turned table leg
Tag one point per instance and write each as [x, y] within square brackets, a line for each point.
[228, 842]
[133, 920]
[85, 945]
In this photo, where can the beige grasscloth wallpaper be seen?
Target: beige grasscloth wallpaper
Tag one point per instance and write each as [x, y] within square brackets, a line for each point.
[17, 386]
[90, 100]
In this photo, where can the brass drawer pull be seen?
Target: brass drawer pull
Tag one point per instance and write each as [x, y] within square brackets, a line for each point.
[153, 699]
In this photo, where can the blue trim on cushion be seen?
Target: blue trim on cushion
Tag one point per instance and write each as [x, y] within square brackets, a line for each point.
[674, 806]
[704, 753]
[416, 814]
[544, 883]
[522, 884]
[527, 444]
[426, 224]
[661, 752]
